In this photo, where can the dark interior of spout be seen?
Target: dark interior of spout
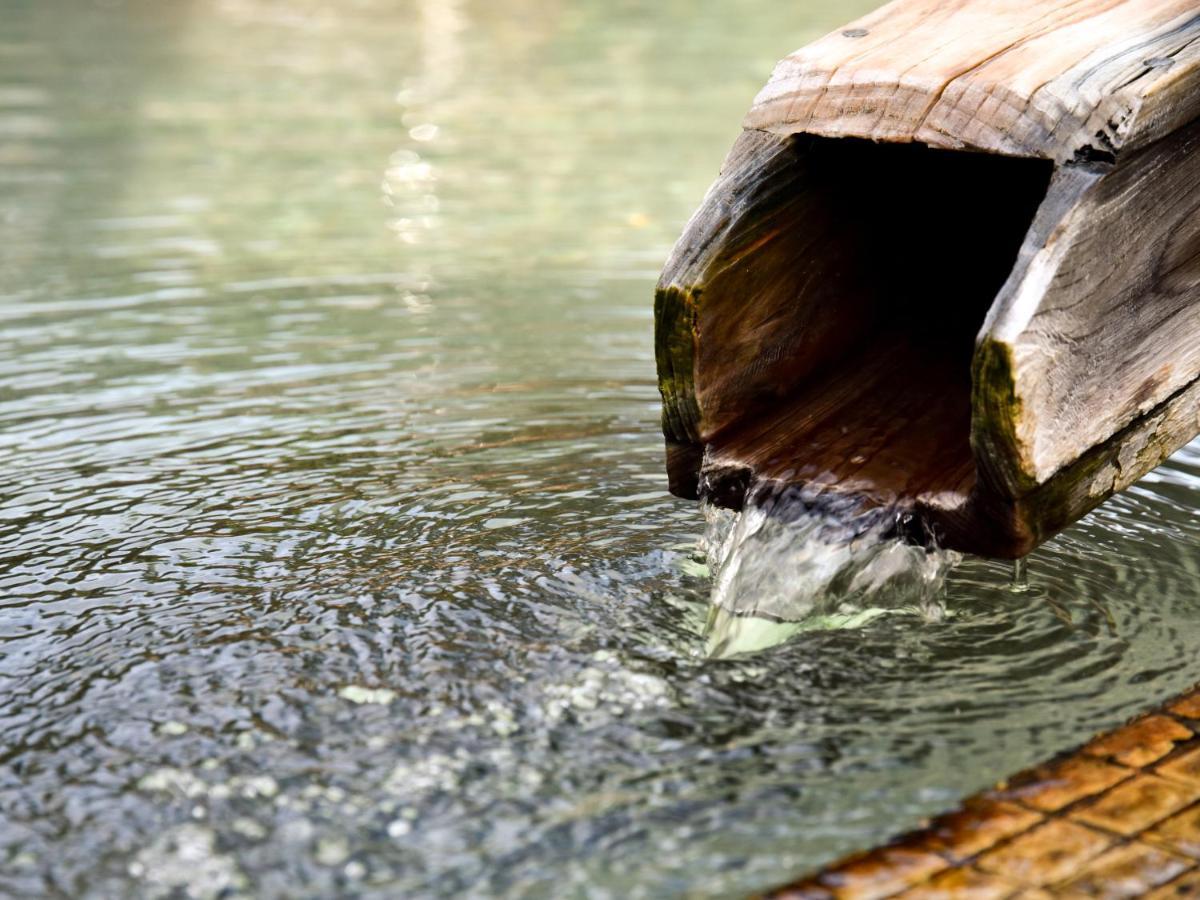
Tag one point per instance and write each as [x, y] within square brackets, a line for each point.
[835, 342]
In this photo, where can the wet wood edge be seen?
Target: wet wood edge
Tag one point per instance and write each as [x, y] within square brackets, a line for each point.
[1096, 327]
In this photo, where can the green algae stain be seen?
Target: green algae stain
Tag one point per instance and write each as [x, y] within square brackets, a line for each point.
[675, 321]
[995, 410]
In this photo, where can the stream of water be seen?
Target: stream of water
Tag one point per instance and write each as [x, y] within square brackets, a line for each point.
[780, 568]
[335, 551]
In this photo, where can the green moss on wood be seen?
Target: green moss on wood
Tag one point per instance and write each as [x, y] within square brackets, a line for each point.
[995, 410]
[675, 314]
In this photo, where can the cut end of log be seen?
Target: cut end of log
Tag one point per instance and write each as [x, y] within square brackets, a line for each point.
[950, 269]
[832, 291]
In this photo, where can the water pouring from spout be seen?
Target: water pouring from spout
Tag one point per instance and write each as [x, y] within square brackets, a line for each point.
[785, 564]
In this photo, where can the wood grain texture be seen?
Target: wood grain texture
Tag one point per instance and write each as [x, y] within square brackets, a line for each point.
[888, 423]
[744, 242]
[990, 344]
[1098, 324]
[1068, 80]
[810, 257]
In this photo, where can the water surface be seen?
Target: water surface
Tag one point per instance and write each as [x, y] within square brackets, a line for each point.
[336, 553]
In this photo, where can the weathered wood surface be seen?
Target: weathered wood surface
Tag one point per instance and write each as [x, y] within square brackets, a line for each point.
[1100, 322]
[996, 344]
[1061, 80]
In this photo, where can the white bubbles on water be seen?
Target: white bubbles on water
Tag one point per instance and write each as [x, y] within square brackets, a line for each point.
[367, 696]
[185, 861]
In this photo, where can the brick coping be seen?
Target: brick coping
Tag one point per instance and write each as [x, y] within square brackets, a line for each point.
[1118, 817]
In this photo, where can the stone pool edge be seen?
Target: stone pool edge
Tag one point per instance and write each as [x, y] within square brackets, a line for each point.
[1119, 816]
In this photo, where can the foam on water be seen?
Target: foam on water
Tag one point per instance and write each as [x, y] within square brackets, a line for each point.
[786, 564]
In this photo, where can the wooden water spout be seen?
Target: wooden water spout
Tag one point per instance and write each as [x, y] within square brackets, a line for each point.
[951, 266]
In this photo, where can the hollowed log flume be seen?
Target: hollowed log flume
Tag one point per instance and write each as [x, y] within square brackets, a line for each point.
[951, 268]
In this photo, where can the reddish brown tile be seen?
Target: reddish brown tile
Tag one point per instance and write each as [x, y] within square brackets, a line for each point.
[1187, 706]
[1119, 818]
[1183, 767]
[1135, 805]
[1140, 743]
[1051, 787]
[804, 891]
[1129, 871]
[979, 825]
[1047, 854]
[881, 873]
[1180, 833]
[1184, 886]
[962, 884]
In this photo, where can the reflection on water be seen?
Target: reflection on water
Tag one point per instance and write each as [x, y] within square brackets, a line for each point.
[336, 550]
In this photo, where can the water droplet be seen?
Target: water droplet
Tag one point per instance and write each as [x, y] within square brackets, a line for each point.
[425, 132]
[1020, 576]
[332, 851]
[492, 524]
[398, 829]
[364, 695]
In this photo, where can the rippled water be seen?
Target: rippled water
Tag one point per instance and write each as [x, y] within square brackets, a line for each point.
[336, 549]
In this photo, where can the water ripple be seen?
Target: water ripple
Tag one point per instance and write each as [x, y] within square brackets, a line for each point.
[335, 554]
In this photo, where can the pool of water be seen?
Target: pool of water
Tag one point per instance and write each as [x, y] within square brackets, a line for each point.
[336, 552]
